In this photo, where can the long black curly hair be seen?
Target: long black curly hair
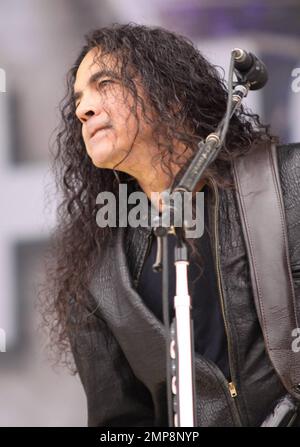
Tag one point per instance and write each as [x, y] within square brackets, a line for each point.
[189, 96]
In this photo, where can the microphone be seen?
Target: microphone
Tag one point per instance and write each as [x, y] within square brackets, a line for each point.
[249, 68]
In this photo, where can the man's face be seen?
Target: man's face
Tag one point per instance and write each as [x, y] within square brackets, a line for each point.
[109, 127]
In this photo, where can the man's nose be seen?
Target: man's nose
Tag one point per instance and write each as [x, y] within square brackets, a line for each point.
[89, 105]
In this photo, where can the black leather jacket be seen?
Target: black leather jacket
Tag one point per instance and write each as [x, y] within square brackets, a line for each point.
[120, 354]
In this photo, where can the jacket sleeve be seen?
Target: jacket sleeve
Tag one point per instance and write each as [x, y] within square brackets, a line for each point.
[115, 397]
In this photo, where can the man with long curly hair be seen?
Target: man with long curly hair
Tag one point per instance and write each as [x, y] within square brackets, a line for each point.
[139, 101]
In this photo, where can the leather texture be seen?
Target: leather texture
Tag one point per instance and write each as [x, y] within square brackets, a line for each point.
[120, 352]
[264, 225]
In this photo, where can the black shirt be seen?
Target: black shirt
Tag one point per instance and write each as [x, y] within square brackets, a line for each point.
[209, 332]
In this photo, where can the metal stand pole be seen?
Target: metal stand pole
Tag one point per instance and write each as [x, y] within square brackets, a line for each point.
[184, 349]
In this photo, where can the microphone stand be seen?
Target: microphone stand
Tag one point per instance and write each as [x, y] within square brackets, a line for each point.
[179, 336]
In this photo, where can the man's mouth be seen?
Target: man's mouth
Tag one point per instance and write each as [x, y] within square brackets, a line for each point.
[97, 132]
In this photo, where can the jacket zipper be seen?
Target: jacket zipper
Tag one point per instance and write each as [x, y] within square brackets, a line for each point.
[231, 384]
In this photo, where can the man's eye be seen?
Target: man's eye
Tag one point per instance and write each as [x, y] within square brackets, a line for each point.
[104, 82]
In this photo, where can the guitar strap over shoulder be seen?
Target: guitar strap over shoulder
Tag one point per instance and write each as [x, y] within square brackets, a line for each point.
[262, 214]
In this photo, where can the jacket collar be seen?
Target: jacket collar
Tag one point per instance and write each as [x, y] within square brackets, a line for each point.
[135, 328]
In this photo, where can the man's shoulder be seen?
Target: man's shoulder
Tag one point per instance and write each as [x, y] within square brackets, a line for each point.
[289, 171]
[289, 161]
[289, 147]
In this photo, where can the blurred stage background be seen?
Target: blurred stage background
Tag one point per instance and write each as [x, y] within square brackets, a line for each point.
[40, 39]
